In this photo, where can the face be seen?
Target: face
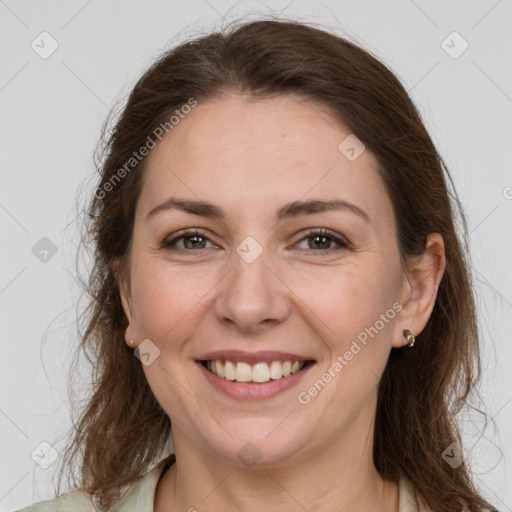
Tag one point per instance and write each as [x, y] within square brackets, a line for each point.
[265, 274]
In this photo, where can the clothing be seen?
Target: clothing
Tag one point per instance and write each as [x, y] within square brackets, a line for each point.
[140, 496]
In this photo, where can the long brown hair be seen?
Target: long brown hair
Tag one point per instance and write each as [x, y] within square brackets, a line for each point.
[122, 430]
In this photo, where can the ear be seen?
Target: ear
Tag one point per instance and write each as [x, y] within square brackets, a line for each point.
[419, 289]
[123, 283]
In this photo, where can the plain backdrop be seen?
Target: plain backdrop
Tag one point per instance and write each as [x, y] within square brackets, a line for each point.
[65, 64]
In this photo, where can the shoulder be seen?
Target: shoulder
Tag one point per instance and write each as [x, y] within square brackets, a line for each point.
[139, 496]
[408, 498]
[77, 501]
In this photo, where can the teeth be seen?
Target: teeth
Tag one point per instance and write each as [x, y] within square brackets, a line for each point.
[219, 368]
[243, 372]
[259, 372]
[295, 367]
[229, 371]
[276, 370]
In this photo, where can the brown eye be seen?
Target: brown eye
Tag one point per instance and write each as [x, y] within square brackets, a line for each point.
[321, 241]
[191, 239]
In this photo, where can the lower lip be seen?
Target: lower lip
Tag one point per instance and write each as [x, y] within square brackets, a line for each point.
[253, 390]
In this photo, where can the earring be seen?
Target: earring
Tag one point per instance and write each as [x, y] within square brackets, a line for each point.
[409, 336]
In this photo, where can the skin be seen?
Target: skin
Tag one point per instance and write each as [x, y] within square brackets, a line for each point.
[250, 158]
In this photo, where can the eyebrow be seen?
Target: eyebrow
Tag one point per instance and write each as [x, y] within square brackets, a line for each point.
[288, 211]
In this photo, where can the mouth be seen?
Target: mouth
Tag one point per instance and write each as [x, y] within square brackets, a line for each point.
[263, 379]
[253, 375]
[259, 372]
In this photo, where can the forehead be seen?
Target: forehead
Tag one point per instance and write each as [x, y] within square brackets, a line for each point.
[238, 124]
[244, 151]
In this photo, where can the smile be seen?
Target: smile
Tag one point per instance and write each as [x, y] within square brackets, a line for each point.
[255, 380]
[240, 371]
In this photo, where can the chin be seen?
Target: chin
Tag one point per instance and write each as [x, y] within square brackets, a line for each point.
[256, 443]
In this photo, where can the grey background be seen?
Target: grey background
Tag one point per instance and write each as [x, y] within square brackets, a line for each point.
[52, 110]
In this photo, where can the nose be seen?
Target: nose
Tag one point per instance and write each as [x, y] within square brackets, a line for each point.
[252, 296]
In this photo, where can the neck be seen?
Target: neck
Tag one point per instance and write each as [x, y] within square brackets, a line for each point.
[343, 478]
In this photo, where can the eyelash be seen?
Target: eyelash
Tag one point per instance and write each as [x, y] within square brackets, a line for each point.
[343, 244]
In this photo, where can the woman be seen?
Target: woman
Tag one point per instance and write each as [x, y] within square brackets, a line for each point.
[274, 242]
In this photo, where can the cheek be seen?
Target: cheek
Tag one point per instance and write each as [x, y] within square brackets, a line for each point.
[166, 301]
[349, 300]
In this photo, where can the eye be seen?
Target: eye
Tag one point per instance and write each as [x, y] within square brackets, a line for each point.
[322, 238]
[196, 239]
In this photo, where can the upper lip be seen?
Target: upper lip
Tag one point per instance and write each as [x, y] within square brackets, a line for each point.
[252, 357]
